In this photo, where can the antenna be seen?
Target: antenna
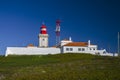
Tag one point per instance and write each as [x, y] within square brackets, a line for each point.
[57, 32]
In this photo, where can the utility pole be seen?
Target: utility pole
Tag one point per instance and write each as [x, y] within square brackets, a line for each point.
[118, 44]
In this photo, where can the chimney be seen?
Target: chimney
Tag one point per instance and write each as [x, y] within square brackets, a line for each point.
[88, 42]
[70, 39]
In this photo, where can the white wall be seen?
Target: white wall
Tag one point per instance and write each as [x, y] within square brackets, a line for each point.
[75, 49]
[109, 54]
[45, 51]
[86, 50]
[94, 52]
[31, 51]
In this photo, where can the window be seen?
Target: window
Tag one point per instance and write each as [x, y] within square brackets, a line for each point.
[67, 49]
[43, 39]
[83, 49]
[90, 49]
[93, 48]
[79, 49]
[104, 52]
[71, 49]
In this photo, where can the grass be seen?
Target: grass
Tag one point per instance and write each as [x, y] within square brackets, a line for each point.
[60, 67]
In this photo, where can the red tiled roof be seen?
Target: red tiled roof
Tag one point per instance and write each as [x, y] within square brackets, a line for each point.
[30, 45]
[77, 44]
[54, 46]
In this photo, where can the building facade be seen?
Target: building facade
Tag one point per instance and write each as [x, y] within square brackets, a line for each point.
[68, 46]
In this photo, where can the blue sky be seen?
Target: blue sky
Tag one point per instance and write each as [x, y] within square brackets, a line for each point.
[83, 20]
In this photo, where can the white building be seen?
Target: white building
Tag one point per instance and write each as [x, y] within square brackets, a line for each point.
[68, 46]
[65, 46]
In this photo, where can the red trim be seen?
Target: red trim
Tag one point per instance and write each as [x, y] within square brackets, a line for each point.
[43, 31]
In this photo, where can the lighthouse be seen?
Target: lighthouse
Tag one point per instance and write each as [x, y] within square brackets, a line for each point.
[43, 36]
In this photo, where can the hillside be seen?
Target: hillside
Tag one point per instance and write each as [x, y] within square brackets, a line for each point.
[60, 67]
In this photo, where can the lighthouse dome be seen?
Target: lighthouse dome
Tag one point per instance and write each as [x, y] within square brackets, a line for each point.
[43, 29]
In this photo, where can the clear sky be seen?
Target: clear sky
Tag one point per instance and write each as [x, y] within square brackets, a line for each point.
[83, 20]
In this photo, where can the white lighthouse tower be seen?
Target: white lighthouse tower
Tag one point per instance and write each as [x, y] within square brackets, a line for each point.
[43, 36]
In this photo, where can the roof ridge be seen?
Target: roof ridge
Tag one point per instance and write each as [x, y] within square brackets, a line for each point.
[77, 44]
